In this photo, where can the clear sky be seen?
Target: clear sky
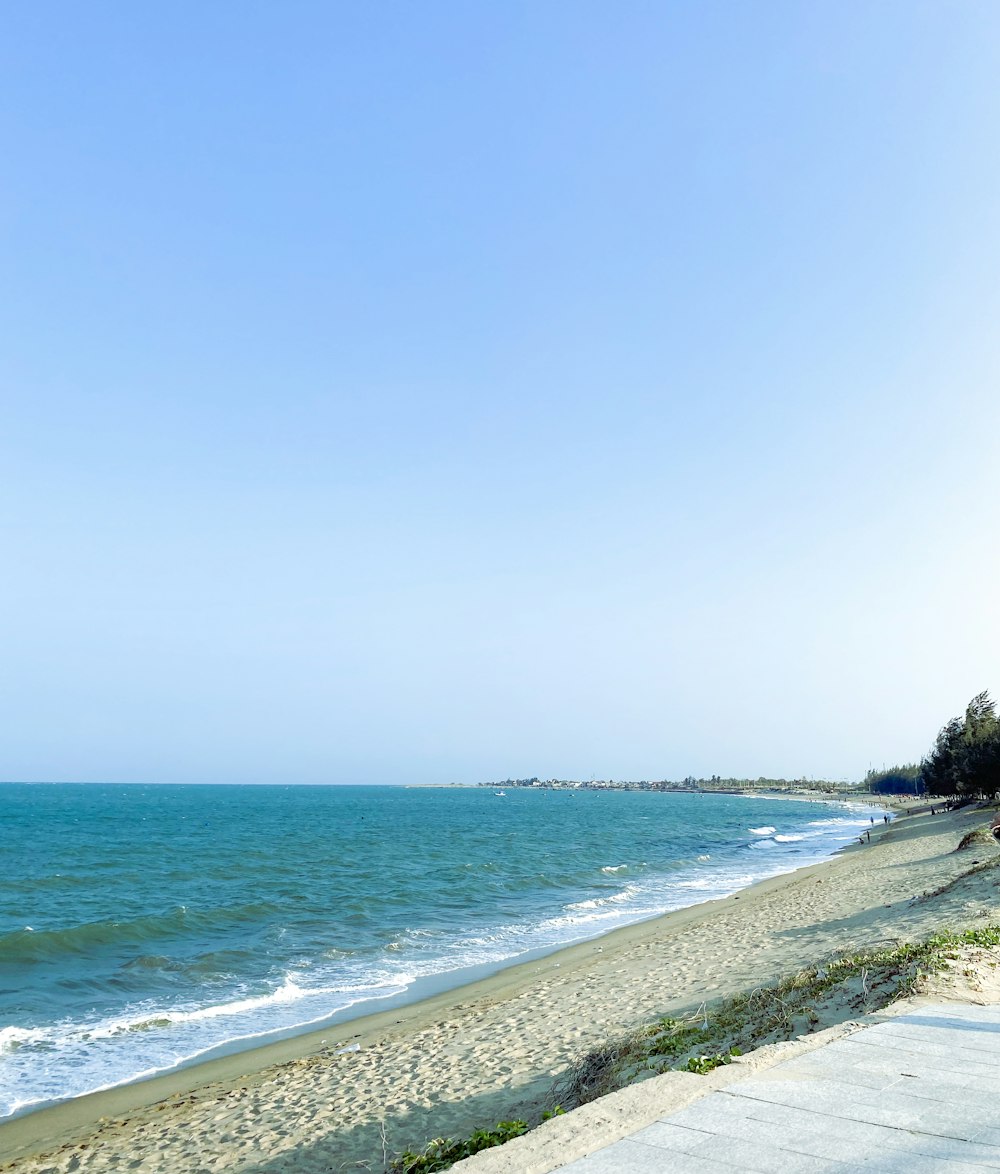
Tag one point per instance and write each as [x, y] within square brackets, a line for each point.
[440, 392]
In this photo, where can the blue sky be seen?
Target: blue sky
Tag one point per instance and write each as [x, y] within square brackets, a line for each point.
[442, 392]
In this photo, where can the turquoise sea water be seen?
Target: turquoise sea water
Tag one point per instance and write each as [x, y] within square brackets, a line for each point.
[142, 927]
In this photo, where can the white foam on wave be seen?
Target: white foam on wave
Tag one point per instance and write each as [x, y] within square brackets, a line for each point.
[614, 868]
[147, 1018]
[12, 1038]
[289, 992]
[788, 839]
[714, 885]
[163, 1039]
[767, 830]
[557, 931]
[625, 894]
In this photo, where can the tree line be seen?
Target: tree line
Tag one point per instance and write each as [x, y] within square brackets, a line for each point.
[964, 761]
[896, 780]
[965, 758]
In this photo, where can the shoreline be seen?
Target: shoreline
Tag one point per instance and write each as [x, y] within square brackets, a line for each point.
[422, 1066]
[454, 973]
[423, 989]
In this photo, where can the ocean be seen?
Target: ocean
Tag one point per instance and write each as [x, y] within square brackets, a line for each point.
[145, 927]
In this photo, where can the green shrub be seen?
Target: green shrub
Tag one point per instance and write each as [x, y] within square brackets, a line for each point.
[702, 1065]
[443, 1152]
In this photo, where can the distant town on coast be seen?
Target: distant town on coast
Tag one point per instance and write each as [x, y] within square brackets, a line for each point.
[963, 763]
[714, 784]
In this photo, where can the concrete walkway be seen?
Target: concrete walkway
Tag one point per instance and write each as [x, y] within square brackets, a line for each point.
[915, 1093]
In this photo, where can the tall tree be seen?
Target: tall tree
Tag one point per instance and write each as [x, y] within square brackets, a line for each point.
[939, 770]
[965, 757]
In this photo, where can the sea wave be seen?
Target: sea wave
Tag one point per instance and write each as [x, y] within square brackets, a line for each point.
[767, 830]
[12, 1038]
[30, 945]
[146, 1019]
[625, 894]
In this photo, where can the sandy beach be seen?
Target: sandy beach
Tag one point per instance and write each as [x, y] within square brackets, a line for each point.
[492, 1050]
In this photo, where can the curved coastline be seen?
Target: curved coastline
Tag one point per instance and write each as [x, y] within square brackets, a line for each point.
[504, 985]
[578, 924]
[127, 1051]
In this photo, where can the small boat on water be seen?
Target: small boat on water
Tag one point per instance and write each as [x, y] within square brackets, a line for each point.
[500, 794]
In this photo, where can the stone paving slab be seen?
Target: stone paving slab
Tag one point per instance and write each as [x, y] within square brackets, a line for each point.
[917, 1093]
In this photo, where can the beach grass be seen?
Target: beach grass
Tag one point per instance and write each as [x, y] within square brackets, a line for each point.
[795, 1006]
[853, 984]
